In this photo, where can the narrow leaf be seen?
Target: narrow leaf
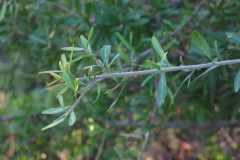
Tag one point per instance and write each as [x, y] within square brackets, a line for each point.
[201, 43]
[89, 36]
[55, 110]
[237, 82]
[209, 69]
[98, 91]
[3, 10]
[72, 48]
[64, 60]
[216, 49]
[147, 79]
[60, 99]
[124, 42]
[63, 90]
[53, 124]
[66, 77]
[53, 71]
[153, 64]
[117, 96]
[84, 43]
[105, 51]
[157, 47]
[234, 37]
[162, 90]
[114, 59]
[176, 92]
[72, 118]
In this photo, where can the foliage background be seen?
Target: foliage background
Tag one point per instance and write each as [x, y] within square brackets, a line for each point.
[31, 35]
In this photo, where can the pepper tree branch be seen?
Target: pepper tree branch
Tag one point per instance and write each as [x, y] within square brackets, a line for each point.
[167, 69]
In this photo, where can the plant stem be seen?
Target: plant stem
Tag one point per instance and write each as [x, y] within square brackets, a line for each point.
[167, 69]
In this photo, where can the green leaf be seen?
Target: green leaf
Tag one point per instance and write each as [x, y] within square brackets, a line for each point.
[157, 47]
[114, 59]
[55, 110]
[3, 10]
[60, 99]
[84, 43]
[64, 60]
[153, 64]
[176, 92]
[216, 49]
[72, 118]
[36, 39]
[234, 37]
[237, 81]
[53, 71]
[117, 96]
[89, 36]
[54, 124]
[124, 55]
[201, 43]
[209, 69]
[162, 90]
[124, 42]
[147, 79]
[66, 77]
[98, 91]
[105, 51]
[72, 48]
[63, 90]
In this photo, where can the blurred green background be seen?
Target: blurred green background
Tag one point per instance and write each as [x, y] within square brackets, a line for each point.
[203, 123]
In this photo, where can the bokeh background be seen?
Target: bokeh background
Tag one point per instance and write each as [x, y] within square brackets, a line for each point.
[203, 123]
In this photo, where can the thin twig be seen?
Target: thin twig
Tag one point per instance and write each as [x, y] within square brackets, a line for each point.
[167, 69]
[180, 125]
[80, 97]
[101, 147]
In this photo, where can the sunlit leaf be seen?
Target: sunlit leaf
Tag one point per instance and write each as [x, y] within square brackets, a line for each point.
[237, 81]
[201, 43]
[64, 60]
[153, 64]
[53, 71]
[72, 118]
[162, 90]
[68, 80]
[89, 36]
[72, 48]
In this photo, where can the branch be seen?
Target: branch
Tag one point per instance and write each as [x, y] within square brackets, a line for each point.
[181, 125]
[167, 69]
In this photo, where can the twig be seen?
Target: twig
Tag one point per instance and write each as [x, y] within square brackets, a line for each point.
[167, 69]
[80, 97]
[181, 125]
[101, 147]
